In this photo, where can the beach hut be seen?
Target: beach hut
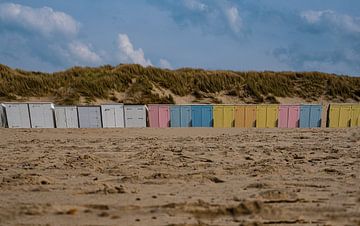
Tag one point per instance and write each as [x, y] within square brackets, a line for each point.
[267, 116]
[202, 115]
[42, 115]
[89, 116]
[112, 115]
[223, 116]
[245, 116]
[339, 115]
[2, 116]
[66, 117]
[135, 116]
[159, 115]
[355, 115]
[333, 118]
[289, 116]
[17, 115]
[180, 116]
[345, 116]
[310, 116]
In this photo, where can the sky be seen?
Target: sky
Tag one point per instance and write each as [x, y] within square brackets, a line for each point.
[242, 35]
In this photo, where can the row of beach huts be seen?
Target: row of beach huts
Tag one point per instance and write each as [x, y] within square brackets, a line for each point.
[47, 115]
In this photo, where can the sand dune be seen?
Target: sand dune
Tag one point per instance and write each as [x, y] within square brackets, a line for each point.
[180, 177]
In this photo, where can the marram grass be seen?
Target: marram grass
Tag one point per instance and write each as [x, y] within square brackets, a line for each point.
[139, 84]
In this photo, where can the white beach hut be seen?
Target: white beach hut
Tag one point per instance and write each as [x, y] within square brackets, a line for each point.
[17, 115]
[89, 116]
[42, 115]
[66, 117]
[135, 116]
[112, 115]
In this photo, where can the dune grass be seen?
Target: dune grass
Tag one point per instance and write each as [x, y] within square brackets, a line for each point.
[137, 82]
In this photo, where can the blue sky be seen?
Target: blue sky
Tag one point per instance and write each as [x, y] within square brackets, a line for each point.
[280, 35]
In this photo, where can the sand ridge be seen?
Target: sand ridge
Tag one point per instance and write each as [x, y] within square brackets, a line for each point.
[180, 176]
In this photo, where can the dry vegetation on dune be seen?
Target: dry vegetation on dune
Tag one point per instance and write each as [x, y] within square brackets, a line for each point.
[137, 84]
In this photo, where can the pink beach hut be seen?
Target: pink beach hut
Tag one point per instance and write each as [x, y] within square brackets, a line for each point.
[159, 116]
[289, 116]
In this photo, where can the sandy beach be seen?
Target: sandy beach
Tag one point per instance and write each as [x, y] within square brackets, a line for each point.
[180, 177]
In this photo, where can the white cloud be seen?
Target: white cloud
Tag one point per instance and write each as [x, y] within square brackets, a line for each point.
[312, 17]
[50, 36]
[234, 19]
[332, 20]
[44, 20]
[195, 5]
[219, 17]
[83, 53]
[128, 54]
[340, 60]
[165, 64]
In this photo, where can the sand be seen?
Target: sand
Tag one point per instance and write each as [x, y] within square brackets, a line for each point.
[180, 177]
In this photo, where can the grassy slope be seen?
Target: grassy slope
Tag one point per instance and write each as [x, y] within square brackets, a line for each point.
[136, 84]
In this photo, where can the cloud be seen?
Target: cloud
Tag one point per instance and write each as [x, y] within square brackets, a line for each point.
[44, 20]
[334, 45]
[44, 35]
[50, 38]
[83, 53]
[128, 54]
[165, 64]
[326, 41]
[338, 60]
[213, 17]
[195, 5]
[313, 17]
[234, 19]
[332, 21]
